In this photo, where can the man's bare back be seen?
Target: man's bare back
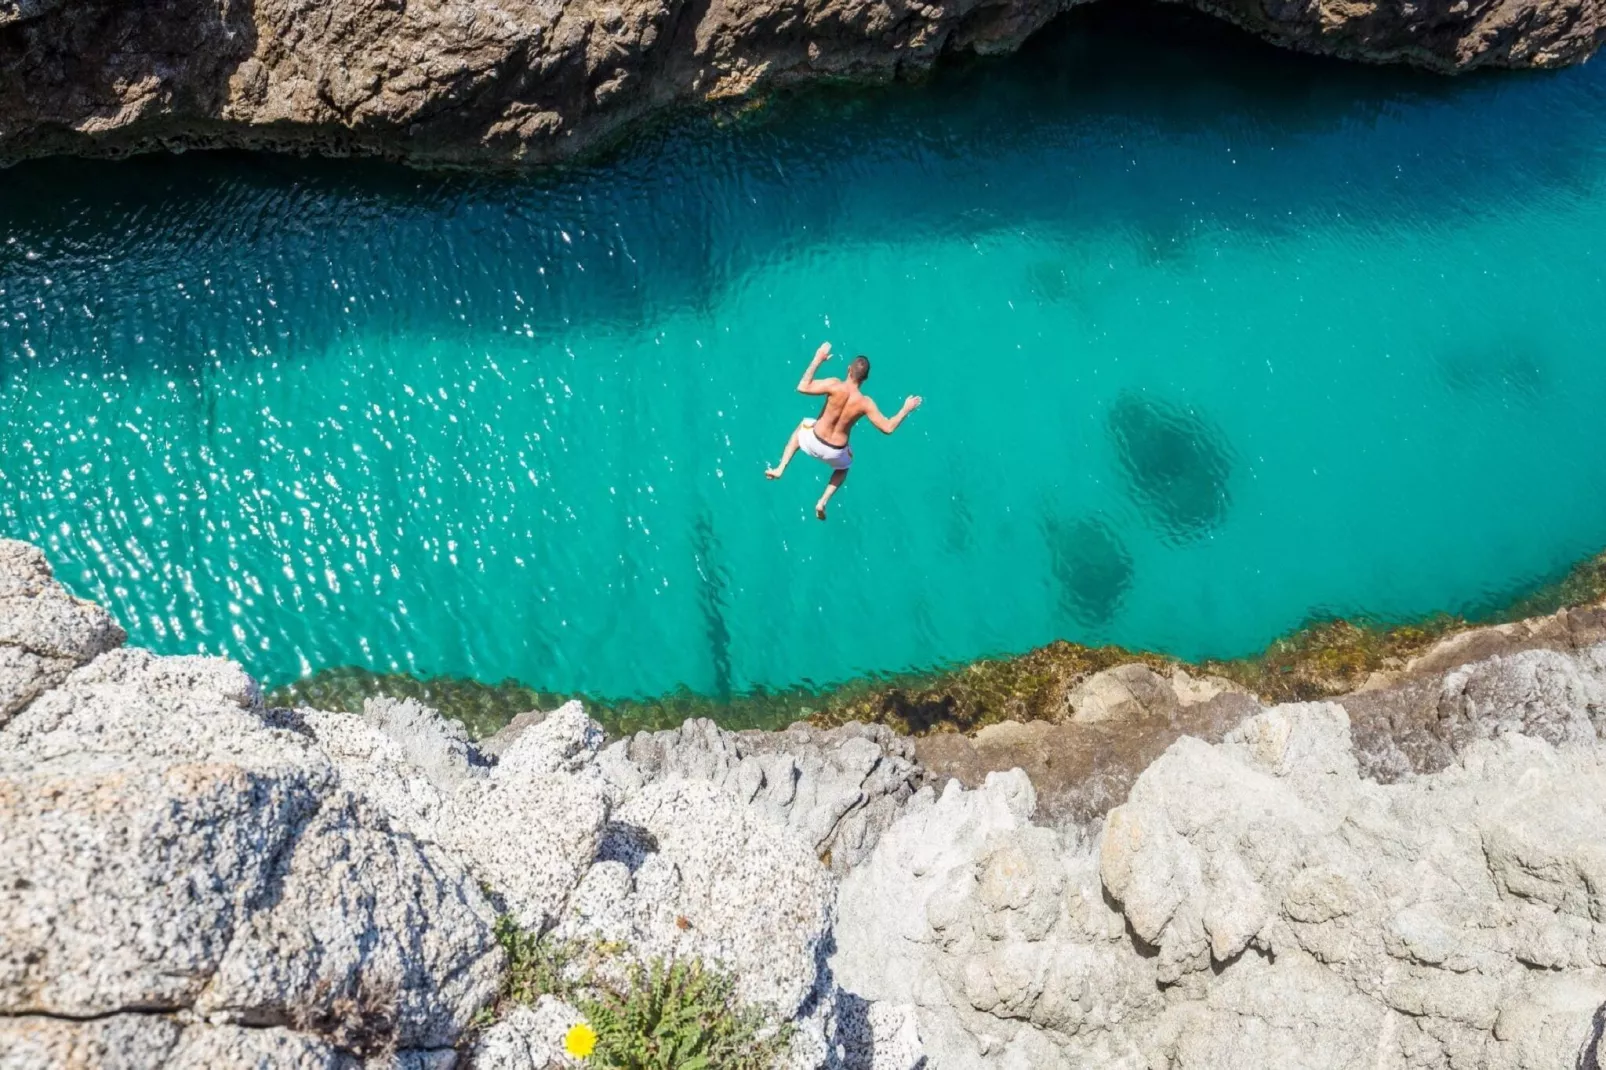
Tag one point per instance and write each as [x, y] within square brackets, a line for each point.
[825, 438]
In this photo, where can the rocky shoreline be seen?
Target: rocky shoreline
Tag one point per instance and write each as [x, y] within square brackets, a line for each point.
[1409, 875]
[446, 83]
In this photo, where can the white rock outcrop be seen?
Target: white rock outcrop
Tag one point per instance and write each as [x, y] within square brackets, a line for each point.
[188, 879]
[1258, 903]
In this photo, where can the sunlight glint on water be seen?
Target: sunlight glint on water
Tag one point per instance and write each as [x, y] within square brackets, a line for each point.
[1211, 338]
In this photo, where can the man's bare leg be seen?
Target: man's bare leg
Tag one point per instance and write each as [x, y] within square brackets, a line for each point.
[837, 479]
[786, 456]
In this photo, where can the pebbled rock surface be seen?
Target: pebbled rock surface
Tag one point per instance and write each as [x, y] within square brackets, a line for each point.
[167, 846]
[452, 82]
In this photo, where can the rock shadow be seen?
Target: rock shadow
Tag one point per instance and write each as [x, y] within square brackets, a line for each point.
[1091, 567]
[1589, 1058]
[1176, 465]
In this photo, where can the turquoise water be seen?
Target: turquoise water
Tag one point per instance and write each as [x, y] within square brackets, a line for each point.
[1211, 338]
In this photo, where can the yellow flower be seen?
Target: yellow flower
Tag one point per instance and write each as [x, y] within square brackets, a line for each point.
[580, 1041]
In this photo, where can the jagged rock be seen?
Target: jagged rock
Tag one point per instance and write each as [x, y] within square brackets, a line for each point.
[1258, 902]
[45, 633]
[1421, 723]
[167, 844]
[372, 764]
[142, 810]
[437, 747]
[368, 934]
[537, 80]
[836, 789]
[1571, 630]
[564, 741]
[503, 738]
[992, 930]
[531, 828]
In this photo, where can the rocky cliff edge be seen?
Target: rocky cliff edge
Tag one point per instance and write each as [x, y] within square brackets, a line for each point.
[188, 878]
[508, 81]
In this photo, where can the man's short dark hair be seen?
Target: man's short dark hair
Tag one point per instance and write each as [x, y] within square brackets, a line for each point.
[859, 368]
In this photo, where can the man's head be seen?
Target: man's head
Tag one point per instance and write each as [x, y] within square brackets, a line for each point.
[859, 369]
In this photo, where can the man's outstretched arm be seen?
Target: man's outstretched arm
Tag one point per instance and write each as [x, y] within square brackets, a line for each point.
[886, 426]
[810, 385]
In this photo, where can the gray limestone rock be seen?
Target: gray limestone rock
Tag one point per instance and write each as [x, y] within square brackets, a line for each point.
[1420, 724]
[836, 789]
[528, 838]
[143, 807]
[372, 764]
[437, 747]
[366, 934]
[45, 633]
[532, 827]
[209, 1047]
[529, 1038]
[165, 844]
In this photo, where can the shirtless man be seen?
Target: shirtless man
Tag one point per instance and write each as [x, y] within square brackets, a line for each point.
[825, 438]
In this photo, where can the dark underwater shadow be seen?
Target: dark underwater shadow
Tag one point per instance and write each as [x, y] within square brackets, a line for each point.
[1091, 568]
[1175, 463]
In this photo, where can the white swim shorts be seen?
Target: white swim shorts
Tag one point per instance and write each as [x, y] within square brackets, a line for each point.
[838, 457]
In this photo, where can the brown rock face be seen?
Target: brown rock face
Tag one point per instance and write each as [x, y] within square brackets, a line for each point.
[485, 82]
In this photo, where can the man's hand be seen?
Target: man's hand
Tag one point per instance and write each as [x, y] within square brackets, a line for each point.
[807, 385]
[912, 402]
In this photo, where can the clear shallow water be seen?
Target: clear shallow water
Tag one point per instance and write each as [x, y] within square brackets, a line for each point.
[1212, 339]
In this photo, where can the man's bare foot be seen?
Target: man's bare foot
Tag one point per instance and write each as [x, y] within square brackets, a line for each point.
[773, 473]
[819, 511]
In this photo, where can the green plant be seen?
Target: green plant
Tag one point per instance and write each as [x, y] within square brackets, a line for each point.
[676, 1015]
[668, 1015]
[536, 966]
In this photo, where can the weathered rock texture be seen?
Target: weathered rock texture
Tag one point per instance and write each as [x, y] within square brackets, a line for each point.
[1259, 903]
[837, 789]
[447, 81]
[168, 848]
[1409, 877]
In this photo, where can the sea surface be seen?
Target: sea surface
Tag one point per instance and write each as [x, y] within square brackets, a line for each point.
[1213, 339]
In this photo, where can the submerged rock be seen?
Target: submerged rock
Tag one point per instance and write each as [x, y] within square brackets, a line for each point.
[1176, 465]
[441, 81]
